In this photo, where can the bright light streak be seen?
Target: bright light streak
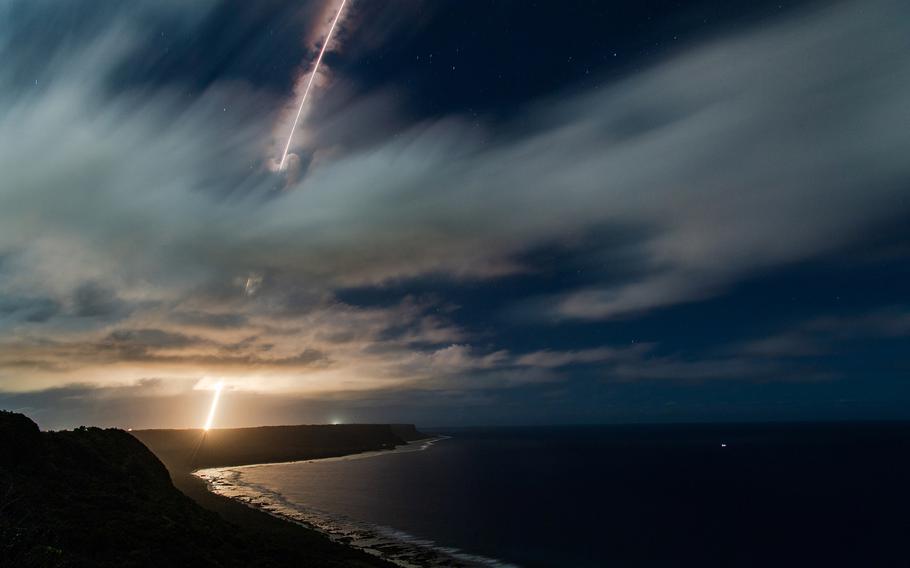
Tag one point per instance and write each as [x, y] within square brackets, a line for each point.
[306, 92]
[208, 422]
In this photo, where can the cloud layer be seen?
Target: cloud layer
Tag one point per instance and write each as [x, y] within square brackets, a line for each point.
[143, 235]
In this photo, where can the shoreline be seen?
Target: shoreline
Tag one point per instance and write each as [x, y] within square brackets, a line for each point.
[427, 442]
[261, 524]
[384, 543]
[179, 451]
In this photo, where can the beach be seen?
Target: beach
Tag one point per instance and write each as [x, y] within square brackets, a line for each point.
[590, 496]
[185, 451]
[396, 546]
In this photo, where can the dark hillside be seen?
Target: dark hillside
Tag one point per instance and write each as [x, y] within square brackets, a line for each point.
[93, 497]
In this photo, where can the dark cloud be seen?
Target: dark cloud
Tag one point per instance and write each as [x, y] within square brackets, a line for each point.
[149, 339]
[686, 370]
[718, 209]
[152, 210]
[34, 310]
[826, 334]
[93, 300]
[154, 347]
[307, 357]
[209, 319]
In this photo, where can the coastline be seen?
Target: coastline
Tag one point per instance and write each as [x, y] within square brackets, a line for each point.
[385, 543]
[404, 448]
[179, 450]
[318, 549]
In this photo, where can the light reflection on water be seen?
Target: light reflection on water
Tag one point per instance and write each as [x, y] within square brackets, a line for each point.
[257, 486]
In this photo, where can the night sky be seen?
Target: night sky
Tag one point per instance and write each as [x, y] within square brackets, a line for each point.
[496, 212]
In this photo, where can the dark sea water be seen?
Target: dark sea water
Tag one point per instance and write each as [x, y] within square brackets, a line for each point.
[707, 495]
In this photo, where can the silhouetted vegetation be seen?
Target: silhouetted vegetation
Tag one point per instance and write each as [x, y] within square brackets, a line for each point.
[93, 497]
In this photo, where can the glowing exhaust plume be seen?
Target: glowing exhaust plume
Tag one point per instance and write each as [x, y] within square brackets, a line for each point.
[309, 85]
[208, 422]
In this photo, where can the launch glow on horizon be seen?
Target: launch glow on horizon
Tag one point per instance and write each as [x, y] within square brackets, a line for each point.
[211, 418]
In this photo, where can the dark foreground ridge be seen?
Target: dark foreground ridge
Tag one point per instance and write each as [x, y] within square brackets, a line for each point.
[93, 497]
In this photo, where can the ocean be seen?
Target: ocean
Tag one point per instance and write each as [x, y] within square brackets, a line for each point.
[598, 496]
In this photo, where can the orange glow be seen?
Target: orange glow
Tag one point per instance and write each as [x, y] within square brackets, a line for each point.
[208, 422]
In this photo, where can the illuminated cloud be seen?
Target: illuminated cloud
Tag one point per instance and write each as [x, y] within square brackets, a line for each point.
[143, 235]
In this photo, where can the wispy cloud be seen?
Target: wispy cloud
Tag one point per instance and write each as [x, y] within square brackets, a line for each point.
[134, 209]
[821, 335]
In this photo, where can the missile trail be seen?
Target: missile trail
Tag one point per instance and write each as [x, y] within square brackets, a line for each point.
[211, 418]
[306, 92]
[208, 423]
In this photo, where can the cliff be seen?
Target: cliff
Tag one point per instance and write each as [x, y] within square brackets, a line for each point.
[93, 497]
[407, 432]
[185, 450]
